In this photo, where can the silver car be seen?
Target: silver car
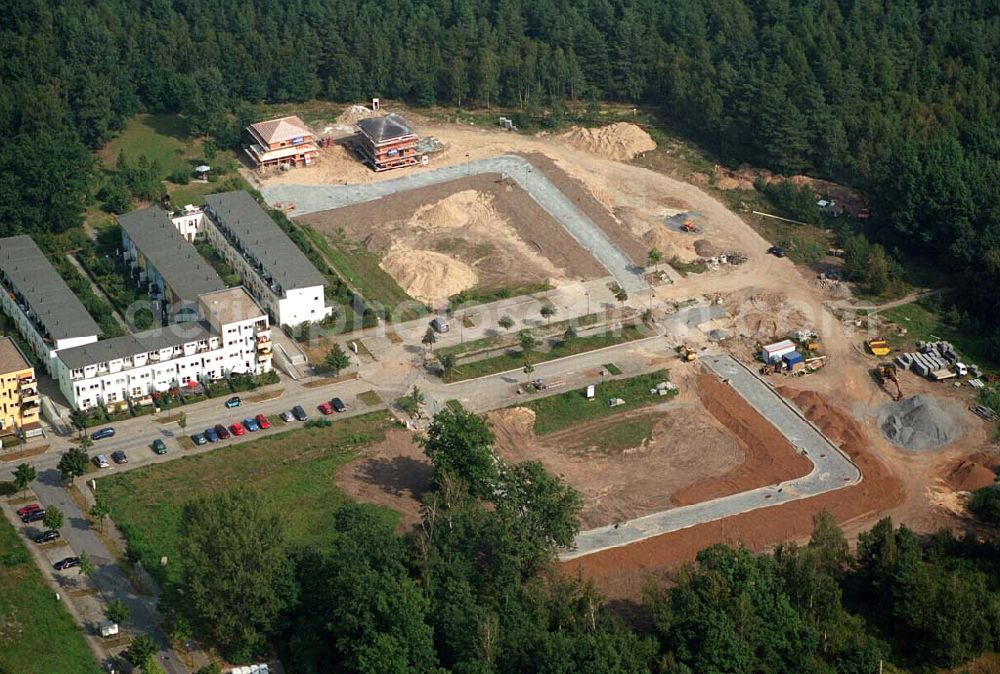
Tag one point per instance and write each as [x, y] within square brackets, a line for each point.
[287, 416]
[101, 461]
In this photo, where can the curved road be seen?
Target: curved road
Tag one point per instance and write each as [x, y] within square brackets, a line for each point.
[831, 470]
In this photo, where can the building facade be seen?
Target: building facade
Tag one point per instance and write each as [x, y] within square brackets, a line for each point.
[388, 142]
[269, 263]
[232, 336]
[47, 313]
[160, 254]
[285, 141]
[19, 399]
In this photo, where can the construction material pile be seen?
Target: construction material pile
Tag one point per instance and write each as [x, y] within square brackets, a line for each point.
[621, 141]
[932, 357]
[918, 423]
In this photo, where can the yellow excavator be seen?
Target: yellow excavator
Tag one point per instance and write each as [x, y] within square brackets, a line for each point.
[886, 372]
[687, 354]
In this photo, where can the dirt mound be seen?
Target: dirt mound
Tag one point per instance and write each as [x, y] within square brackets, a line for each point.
[770, 458]
[764, 315]
[458, 210]
[836, 425]
[705, 248]
[918, 423]
[621, 141]
[354, 114]
[970, 476]
[428, 276]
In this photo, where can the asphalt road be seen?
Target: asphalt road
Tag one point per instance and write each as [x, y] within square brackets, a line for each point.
[831, 470]
[313, 198]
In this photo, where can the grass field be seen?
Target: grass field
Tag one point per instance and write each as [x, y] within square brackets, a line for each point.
[163, 137]
[512, 360]
[361, 269]
[923, 324]
[613, 438]
[293, 470]
[37, 635]
[564, 410]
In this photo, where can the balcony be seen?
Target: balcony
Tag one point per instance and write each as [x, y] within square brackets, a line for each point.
[27, 381]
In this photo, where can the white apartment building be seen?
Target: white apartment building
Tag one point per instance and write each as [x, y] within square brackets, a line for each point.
[45, 310]
[271, 266]
[232, 337]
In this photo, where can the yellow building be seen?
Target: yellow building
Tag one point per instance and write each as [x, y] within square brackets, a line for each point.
[19, 401]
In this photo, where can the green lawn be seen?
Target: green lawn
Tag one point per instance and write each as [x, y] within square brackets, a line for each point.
[616, 437]
[474, 296]
[163, 137]
[513, 359]
[564, 410]
[361, 269]
[924, 325]
[293, 470]
[37, 635]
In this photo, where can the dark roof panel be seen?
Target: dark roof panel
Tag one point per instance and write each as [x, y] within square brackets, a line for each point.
[383, 129]
[106, 350]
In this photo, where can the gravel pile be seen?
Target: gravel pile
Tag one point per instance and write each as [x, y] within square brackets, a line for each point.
[918, 423]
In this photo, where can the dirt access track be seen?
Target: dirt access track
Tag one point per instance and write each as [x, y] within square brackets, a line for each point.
[480, 231]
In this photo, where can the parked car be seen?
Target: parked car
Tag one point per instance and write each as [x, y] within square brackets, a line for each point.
[101, 461]
[325, 408]
[263, 422]
[24, 510]
[198, 439]
[440, 324]
[119, 457]
[33, 516]
[287, 416]
[237, 429]
[102, 434]
[67, 563]
[211, 435]
[159, 446]
[234, 402]
[47, 536]
[338, 405]
[776, 251]
[251, 425]
[299, 413]
[221, 431]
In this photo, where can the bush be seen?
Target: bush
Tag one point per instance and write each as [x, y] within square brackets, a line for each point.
[985, 505]
[179, 177]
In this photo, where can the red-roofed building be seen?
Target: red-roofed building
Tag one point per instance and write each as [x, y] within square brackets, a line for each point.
[276, 142]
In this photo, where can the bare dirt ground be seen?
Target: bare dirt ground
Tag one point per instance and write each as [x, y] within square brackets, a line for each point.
[623, 572]
[394, 473]
[479, 232]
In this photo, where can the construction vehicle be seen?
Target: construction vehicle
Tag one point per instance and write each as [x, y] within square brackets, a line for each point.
[886, 372]
[688, 355]
[878, 347]
[689, 227]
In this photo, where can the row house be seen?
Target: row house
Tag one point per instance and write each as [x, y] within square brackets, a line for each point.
[19, 399]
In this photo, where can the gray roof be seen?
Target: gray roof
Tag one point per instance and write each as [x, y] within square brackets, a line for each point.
[264, 240]
[51, 300]
[383, 129]
[181, 266]
[106, 350]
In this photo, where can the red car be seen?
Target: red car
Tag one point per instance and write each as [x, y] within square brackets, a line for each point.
[21, 512]
[237, 429]
[326, 408]
[263, 422]
[222, 432]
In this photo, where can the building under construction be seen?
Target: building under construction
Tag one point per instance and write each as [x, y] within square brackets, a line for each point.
[283, 142]
[387, 142]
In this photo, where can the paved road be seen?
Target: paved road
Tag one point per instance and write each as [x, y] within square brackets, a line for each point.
[831, 470]
[313, 198]
[109, 578]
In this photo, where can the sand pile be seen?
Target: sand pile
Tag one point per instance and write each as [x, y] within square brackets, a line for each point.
[764, 315]
[355, 113]
[835, 423]
[970, 476]
[620, 141]
[458, 210]
[428, 276]
[918, 423]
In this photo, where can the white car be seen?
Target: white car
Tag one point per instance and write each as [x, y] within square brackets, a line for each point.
[287, 416]
[101, 461]
[961, 370]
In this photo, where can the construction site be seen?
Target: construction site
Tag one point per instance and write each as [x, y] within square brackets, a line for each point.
[785, 405]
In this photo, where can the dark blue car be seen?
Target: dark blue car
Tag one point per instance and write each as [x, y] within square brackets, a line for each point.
[251, 425]
[211, 435]
[102, 434]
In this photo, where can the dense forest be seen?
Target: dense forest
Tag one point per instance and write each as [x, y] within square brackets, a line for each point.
[472, 589]
[897, 98]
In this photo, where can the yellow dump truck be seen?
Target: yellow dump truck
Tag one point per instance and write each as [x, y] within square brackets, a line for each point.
[879, 347]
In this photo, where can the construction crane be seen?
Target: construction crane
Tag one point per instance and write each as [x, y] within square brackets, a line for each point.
[886, 372]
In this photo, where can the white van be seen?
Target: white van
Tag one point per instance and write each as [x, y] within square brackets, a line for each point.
[960, 369]
[440, 324]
